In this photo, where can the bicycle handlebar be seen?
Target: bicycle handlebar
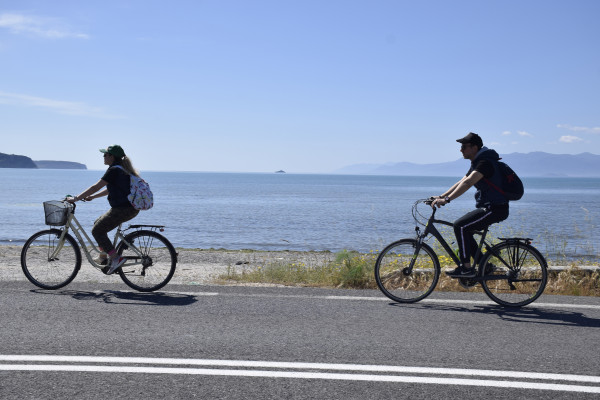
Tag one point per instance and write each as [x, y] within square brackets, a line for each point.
[418, 217]
[66, 200]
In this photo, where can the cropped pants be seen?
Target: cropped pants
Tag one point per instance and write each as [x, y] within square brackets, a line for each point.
[109, 221]
[476, 220]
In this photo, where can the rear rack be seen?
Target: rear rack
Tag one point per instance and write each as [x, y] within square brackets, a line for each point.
[151, 227]
[517, 239]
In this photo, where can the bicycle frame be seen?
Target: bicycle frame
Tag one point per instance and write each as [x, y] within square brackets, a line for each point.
[80, 234]
[430, 229]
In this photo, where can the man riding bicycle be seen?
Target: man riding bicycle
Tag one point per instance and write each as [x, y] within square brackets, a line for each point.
[492, 206]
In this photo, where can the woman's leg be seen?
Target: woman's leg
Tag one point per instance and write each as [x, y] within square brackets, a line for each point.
[109, 221]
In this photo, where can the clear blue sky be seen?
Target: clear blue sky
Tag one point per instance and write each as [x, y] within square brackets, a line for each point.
[299, 85]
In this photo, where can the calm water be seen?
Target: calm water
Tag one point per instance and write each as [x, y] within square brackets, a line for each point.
[305, 212]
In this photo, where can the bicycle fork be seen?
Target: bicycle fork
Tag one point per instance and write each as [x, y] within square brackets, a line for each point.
[420, 238]
[59, 246]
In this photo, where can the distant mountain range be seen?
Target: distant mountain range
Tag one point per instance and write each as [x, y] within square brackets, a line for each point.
[17, 161]
[536, 164]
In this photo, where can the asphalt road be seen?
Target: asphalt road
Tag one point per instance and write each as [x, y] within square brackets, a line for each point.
[223, 342]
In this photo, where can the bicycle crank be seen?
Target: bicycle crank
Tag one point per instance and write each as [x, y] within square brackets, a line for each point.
[467, 283]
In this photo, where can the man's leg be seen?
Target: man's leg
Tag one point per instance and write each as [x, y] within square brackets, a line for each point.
[464, 227]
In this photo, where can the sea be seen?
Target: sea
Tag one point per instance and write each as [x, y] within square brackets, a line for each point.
[307, 212]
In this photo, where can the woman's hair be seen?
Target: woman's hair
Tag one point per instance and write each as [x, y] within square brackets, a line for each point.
[126, 163]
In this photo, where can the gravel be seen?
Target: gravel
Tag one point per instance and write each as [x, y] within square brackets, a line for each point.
[194, 266]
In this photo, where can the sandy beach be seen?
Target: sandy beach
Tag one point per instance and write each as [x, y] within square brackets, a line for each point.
[194, 266]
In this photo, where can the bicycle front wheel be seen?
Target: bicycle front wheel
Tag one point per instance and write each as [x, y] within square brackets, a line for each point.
[407, 272]
[47, 262]
[514, 274]
[149, 263]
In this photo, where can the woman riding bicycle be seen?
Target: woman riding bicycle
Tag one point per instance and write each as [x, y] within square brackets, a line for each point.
[491, 206]
[116, 184]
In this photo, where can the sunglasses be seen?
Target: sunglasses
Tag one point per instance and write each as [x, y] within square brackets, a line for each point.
[464, 145]
[106, 154]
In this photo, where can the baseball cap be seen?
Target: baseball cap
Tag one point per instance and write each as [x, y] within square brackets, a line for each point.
[114, 150]
[472, 138]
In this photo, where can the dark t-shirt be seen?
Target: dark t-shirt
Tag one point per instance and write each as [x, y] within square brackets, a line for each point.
[118, 185]
[485, 167]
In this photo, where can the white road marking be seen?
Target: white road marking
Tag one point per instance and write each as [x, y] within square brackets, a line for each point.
[385, 299]
[387, 373]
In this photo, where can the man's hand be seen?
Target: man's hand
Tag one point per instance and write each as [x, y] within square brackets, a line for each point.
[439, 202]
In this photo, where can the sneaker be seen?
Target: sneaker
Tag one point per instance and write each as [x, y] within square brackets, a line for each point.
[101, 260]
[115, 264]
[461, 272]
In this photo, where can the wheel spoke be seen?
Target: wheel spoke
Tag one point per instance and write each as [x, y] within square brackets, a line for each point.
[156, 265]
[47, 262]
[405, 274]
[519, 275]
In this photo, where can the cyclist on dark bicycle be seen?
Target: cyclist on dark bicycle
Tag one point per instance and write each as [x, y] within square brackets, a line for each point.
[492, 206]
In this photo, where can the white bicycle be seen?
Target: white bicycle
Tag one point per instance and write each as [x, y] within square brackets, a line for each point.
[51, 258]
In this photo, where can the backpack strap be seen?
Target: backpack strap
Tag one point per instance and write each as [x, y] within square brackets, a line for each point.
[496, 172]
[490, 184]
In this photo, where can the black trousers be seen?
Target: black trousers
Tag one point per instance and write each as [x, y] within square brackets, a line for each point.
[476, 220]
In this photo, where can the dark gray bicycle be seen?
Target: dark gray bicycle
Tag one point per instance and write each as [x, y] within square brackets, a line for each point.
[512, 272]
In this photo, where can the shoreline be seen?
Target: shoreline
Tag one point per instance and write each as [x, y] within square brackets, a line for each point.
[194, 266]
[202, 266]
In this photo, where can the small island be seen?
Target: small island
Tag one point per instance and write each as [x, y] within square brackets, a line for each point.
[48, 164]
[280, 172]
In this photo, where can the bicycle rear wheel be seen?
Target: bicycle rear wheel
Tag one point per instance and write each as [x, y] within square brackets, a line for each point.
[403, 280]
[150, 264]
[45, 270]
[514, 274]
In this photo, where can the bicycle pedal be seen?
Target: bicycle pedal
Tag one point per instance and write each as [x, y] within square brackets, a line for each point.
[467, 283]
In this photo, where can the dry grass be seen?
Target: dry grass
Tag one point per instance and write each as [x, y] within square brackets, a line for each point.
[346, 270]
[574, 281]
[355, 270]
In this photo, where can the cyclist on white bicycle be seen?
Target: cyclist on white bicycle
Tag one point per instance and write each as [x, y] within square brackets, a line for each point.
[491, 205]
[116, 184]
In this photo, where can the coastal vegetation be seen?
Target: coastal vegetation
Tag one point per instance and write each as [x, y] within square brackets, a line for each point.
[354, 270]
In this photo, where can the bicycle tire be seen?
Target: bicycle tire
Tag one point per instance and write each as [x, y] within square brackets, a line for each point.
[49, 273]
[157, 266]
[394, 279]
[521, 272]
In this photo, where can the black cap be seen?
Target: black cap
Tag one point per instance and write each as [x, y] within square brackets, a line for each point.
[472, 138]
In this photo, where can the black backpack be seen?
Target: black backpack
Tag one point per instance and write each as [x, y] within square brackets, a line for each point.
[511, 185]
